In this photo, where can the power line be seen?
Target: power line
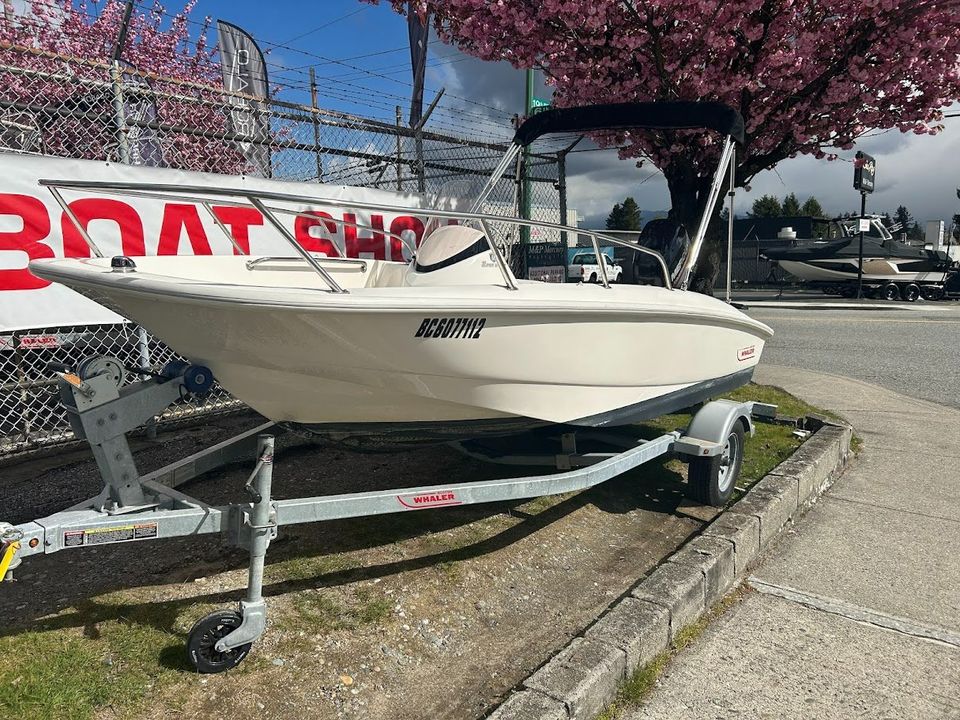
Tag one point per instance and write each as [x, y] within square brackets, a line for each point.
[332, 61]
[355, 57]
[327, 24]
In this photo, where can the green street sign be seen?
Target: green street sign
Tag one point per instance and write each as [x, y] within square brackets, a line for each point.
[538, 104]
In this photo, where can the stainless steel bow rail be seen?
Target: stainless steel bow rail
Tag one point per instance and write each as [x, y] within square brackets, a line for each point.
[241, 197]
[133, 507]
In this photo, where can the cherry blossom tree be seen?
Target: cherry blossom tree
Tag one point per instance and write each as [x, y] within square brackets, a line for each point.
[55, 70]
[808, 76]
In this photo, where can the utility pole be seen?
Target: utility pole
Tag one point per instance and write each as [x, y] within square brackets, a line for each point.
[525, 192]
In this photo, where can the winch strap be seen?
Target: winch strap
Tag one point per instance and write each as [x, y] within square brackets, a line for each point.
[8, 555]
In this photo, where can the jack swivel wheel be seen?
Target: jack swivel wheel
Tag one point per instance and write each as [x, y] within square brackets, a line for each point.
[202, 642]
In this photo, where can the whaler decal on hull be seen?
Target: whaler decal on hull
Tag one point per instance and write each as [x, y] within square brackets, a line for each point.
[453, 328]
[746, 353]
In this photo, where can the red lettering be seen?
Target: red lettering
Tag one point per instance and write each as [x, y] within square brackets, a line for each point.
[311, 243]
[176, 219]
[239, 220]
[404, 223]
[373, 244]
[36, 226]
[89, 209]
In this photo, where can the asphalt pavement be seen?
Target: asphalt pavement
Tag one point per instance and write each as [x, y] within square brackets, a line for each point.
[911, 348]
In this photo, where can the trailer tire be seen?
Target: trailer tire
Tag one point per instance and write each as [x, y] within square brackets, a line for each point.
[712, 480]
[890, 291]
[911, 292]
[204, 635]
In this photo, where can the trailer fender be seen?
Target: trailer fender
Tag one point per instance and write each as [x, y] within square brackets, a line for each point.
[712, 424]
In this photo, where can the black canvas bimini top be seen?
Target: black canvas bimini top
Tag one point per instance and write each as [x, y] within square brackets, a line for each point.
[667, 115]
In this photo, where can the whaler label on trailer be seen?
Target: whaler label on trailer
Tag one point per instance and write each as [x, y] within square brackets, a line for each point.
[34, 226]
[429, 499]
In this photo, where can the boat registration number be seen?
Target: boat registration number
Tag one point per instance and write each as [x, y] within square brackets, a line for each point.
[456, 328]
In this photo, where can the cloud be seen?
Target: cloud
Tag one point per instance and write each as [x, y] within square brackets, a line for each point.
[912, 170]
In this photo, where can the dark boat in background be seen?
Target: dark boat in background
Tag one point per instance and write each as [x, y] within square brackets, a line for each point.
[891, 269]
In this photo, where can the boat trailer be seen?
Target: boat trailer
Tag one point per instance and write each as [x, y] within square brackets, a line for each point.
[133, 507]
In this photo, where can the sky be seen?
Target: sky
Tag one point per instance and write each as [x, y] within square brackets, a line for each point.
[361, 58]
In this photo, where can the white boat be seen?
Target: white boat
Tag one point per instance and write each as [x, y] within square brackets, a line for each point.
[449, 346]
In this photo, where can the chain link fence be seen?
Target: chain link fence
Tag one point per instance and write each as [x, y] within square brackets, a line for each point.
[52, 104]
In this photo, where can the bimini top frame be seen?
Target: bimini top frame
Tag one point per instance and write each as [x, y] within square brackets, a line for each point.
[244, 197]
[668, 115]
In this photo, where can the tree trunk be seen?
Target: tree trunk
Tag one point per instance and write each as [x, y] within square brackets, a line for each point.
[688, 196]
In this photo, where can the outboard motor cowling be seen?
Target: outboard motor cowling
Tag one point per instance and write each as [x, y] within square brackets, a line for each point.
[668, 238]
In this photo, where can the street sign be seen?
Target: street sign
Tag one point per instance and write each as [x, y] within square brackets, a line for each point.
[538, 105]
[864, 225]
[864, 172]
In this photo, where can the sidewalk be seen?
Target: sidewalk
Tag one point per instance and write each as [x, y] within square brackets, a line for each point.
[856, 612]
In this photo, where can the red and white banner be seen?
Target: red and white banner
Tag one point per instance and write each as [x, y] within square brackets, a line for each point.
[33, 226]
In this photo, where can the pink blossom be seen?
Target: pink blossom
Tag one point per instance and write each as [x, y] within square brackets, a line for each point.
[807, 75]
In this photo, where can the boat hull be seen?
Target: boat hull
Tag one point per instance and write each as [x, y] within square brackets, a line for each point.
[457, 363]
[874, 270]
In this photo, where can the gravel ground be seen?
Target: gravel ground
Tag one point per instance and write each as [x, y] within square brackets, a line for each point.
[430, 614]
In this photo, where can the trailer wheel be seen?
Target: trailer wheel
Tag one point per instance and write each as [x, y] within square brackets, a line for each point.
[931, 292]
[202, 640]
[890, 292]
[713, 479]
[911, 292]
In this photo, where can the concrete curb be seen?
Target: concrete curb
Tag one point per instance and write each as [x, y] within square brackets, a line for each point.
[583, 678]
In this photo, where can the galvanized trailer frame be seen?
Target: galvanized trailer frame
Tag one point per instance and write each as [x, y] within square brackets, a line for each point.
[133, 507]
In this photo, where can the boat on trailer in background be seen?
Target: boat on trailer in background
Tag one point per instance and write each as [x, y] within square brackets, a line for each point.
[892, 269]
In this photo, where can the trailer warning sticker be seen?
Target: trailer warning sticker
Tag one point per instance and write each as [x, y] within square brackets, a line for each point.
[112, 534]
